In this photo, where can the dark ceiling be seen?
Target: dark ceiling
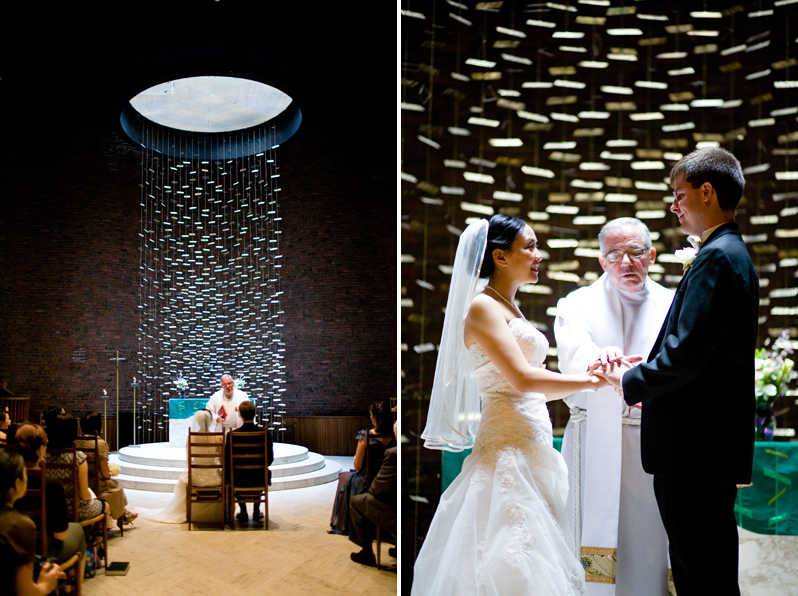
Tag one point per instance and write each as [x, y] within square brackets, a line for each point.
[71, 60]
[535, 87]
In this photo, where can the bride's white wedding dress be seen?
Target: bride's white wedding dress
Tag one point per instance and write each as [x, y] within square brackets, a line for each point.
[175, 510]
[500, 528]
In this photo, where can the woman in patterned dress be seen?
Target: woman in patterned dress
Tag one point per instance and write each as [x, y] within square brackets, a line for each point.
[62, 431]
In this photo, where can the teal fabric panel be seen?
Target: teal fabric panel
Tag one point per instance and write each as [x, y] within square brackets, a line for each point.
[452, 463]
[769, 506]
[180, 409]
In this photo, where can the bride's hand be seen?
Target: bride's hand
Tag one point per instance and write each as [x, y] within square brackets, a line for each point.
[597, 382]
[614, 373]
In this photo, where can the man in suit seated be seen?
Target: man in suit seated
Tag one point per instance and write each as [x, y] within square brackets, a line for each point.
[375, 506]
[245, 478]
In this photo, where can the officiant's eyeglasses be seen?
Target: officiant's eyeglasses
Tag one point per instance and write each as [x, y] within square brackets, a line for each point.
[617, 255]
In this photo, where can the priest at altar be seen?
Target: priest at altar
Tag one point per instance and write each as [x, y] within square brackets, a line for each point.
[615, 518]
[224, 406]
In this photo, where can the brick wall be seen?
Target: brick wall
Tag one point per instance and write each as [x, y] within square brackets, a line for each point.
[69, 257]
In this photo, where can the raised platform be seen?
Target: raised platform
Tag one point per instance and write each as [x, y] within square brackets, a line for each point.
[157, 466]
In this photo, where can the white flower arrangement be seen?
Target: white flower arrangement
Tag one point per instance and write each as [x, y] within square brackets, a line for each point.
[181, 383]
[239, 383]
[774, 370]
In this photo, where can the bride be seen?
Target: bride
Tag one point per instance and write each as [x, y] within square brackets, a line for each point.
[500, 527]
[175, 510]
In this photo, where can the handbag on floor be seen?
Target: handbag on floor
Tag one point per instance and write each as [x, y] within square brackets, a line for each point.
[91, 563]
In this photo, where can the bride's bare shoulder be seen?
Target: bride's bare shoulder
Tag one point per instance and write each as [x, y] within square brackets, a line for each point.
[484, 313]
[482, 302]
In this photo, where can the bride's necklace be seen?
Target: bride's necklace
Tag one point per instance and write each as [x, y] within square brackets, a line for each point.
[507, 302]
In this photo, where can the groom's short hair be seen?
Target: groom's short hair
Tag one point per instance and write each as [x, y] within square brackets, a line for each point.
[246, 410]
[717, 166]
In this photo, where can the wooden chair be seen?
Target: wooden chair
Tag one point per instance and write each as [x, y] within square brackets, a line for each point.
[74, 577]
[205, 452]
[248, 454]
[37, 494]
[90, 445]
[66, 470]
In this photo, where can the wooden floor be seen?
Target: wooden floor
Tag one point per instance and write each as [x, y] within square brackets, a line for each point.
[295, 557]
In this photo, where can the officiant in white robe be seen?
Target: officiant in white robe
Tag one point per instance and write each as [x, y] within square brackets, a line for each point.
[611, 502]
[229, 398]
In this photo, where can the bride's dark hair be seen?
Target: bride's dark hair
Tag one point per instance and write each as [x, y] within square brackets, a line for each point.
[502, 232]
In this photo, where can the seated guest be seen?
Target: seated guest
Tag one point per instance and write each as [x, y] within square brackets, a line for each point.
[62, 432]
[64, 538]
[11, 432]
[5, 422]
[18, 536]
[376, 506]
[108, 489]
[247, 412]
[51, 412]
[378, 438]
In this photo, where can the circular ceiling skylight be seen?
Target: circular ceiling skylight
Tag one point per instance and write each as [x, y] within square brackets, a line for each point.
[210, 104]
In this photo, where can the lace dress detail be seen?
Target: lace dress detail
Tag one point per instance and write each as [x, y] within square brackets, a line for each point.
[499, 527]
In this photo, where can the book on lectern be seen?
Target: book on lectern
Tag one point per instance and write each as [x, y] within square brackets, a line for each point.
[117, 568]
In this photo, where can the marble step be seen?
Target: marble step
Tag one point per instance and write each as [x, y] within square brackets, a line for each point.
[311, 463]
[329, 473]
[156, 467]
[162, 455]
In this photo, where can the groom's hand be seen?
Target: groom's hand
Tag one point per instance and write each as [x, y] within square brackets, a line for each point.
[613, 374]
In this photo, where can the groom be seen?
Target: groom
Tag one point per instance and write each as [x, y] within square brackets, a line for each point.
[697, 388]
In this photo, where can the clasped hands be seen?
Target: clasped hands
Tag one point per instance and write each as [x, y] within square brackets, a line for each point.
[610, 363]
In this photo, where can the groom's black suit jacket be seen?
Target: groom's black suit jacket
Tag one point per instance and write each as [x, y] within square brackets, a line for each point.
[697, 387]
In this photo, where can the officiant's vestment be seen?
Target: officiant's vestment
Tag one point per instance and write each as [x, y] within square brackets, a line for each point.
[697, 393]
[616, 515]
[218, 400]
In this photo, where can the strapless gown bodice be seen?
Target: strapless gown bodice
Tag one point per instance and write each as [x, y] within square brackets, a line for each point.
[500, 527]
[509, 416]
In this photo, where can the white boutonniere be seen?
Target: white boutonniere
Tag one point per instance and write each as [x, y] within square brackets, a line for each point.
[686, 256]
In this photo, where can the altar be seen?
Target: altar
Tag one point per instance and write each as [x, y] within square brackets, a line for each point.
[180, 410]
